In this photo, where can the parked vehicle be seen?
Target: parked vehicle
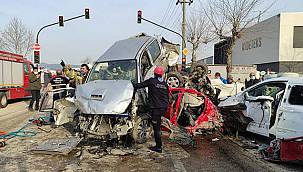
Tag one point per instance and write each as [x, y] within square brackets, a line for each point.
[108, 106]
[274, 106]
[14, 73]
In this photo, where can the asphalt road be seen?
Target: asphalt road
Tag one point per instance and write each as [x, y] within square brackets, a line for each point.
[221, 155]
[14, 115]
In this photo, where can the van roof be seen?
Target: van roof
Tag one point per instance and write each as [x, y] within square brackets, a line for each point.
[126, 49]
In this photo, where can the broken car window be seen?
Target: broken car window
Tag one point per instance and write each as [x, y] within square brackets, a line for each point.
[269, 89]
[296, 95]
[145, 64]
[114, 70]
[154, 50]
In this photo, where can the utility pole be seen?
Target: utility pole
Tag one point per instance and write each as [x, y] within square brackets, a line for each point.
[184, 50]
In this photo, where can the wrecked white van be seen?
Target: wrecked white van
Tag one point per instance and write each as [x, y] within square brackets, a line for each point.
[275, 107]
[108, 107]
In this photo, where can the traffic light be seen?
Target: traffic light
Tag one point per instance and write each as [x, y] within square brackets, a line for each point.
[36, 57]
[61, 21]
[86, 12]
[139, 17]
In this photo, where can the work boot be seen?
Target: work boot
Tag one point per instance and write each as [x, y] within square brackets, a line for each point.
[156, 149]
[36, 108]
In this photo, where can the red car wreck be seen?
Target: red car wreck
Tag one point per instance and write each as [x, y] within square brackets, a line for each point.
[193, 111]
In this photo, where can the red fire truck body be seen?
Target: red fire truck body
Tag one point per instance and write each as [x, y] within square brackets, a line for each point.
[14, 77]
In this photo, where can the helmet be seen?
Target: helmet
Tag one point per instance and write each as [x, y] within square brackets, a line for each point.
[159, 70]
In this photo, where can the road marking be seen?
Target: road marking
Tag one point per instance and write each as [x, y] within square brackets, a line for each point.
[179, 167]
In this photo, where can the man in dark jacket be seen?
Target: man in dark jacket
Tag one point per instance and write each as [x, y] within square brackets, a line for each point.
[34, 87]
[252, 81]
[57, 83]
[158, 101]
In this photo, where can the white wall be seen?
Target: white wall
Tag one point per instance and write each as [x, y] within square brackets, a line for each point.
[266, 34]
[288, 21]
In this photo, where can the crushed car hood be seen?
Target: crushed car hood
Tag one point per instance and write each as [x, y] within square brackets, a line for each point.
[104, 96]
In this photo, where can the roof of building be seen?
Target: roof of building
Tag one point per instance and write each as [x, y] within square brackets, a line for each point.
[126, 49]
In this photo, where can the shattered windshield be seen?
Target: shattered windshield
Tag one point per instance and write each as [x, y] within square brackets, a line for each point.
[114, 70]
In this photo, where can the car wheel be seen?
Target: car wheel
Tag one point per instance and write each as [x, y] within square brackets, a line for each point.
[174, 80]
[3, 100]
[142, 129]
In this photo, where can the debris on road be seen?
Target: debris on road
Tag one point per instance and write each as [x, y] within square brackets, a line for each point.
[284, 150]
[177, 134]
[57, 146]
[215, 139]
[2, 144]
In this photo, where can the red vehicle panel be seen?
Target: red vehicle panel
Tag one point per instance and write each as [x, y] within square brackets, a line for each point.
[204, 113]
[12, 90]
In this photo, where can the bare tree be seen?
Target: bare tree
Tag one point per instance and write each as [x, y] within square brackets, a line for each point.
[17, 38]
[230, 18]
[292, 66]
[198, 31]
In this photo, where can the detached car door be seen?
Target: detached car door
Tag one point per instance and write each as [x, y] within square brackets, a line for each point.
[290, 116]
[259, 101]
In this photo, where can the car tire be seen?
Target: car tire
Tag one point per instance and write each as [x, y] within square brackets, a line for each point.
[174, 80]
[3, 100]
[142, 129]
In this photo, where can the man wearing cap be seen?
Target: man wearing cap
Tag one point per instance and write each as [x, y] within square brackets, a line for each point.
[34, 87]
[158, 101]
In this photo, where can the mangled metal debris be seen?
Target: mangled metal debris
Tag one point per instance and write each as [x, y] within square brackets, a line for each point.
[193, 111]
[284, 150]
[57, 146]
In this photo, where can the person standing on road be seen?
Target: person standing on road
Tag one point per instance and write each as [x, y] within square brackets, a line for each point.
[84, 69]
[158, 101]
[34, 87]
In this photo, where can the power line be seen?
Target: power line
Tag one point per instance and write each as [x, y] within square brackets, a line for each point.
[166, 12]
[170, 16]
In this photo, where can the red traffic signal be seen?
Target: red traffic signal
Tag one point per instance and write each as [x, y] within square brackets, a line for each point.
[139, 17]
[86, 13]
[36, 57]
[61, 21]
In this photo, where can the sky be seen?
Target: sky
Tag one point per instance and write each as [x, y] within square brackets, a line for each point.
[109, 21]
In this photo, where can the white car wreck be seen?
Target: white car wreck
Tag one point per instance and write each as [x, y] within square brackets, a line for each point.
[272, 108]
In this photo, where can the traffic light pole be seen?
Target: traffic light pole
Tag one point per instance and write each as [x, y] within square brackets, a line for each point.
[183, 39]
[163, 27]
[37, 37]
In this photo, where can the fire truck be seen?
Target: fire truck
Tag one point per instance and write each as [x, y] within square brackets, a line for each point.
[14, 77]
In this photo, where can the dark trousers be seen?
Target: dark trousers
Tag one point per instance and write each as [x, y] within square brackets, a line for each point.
[35, 98]
[156, 115]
